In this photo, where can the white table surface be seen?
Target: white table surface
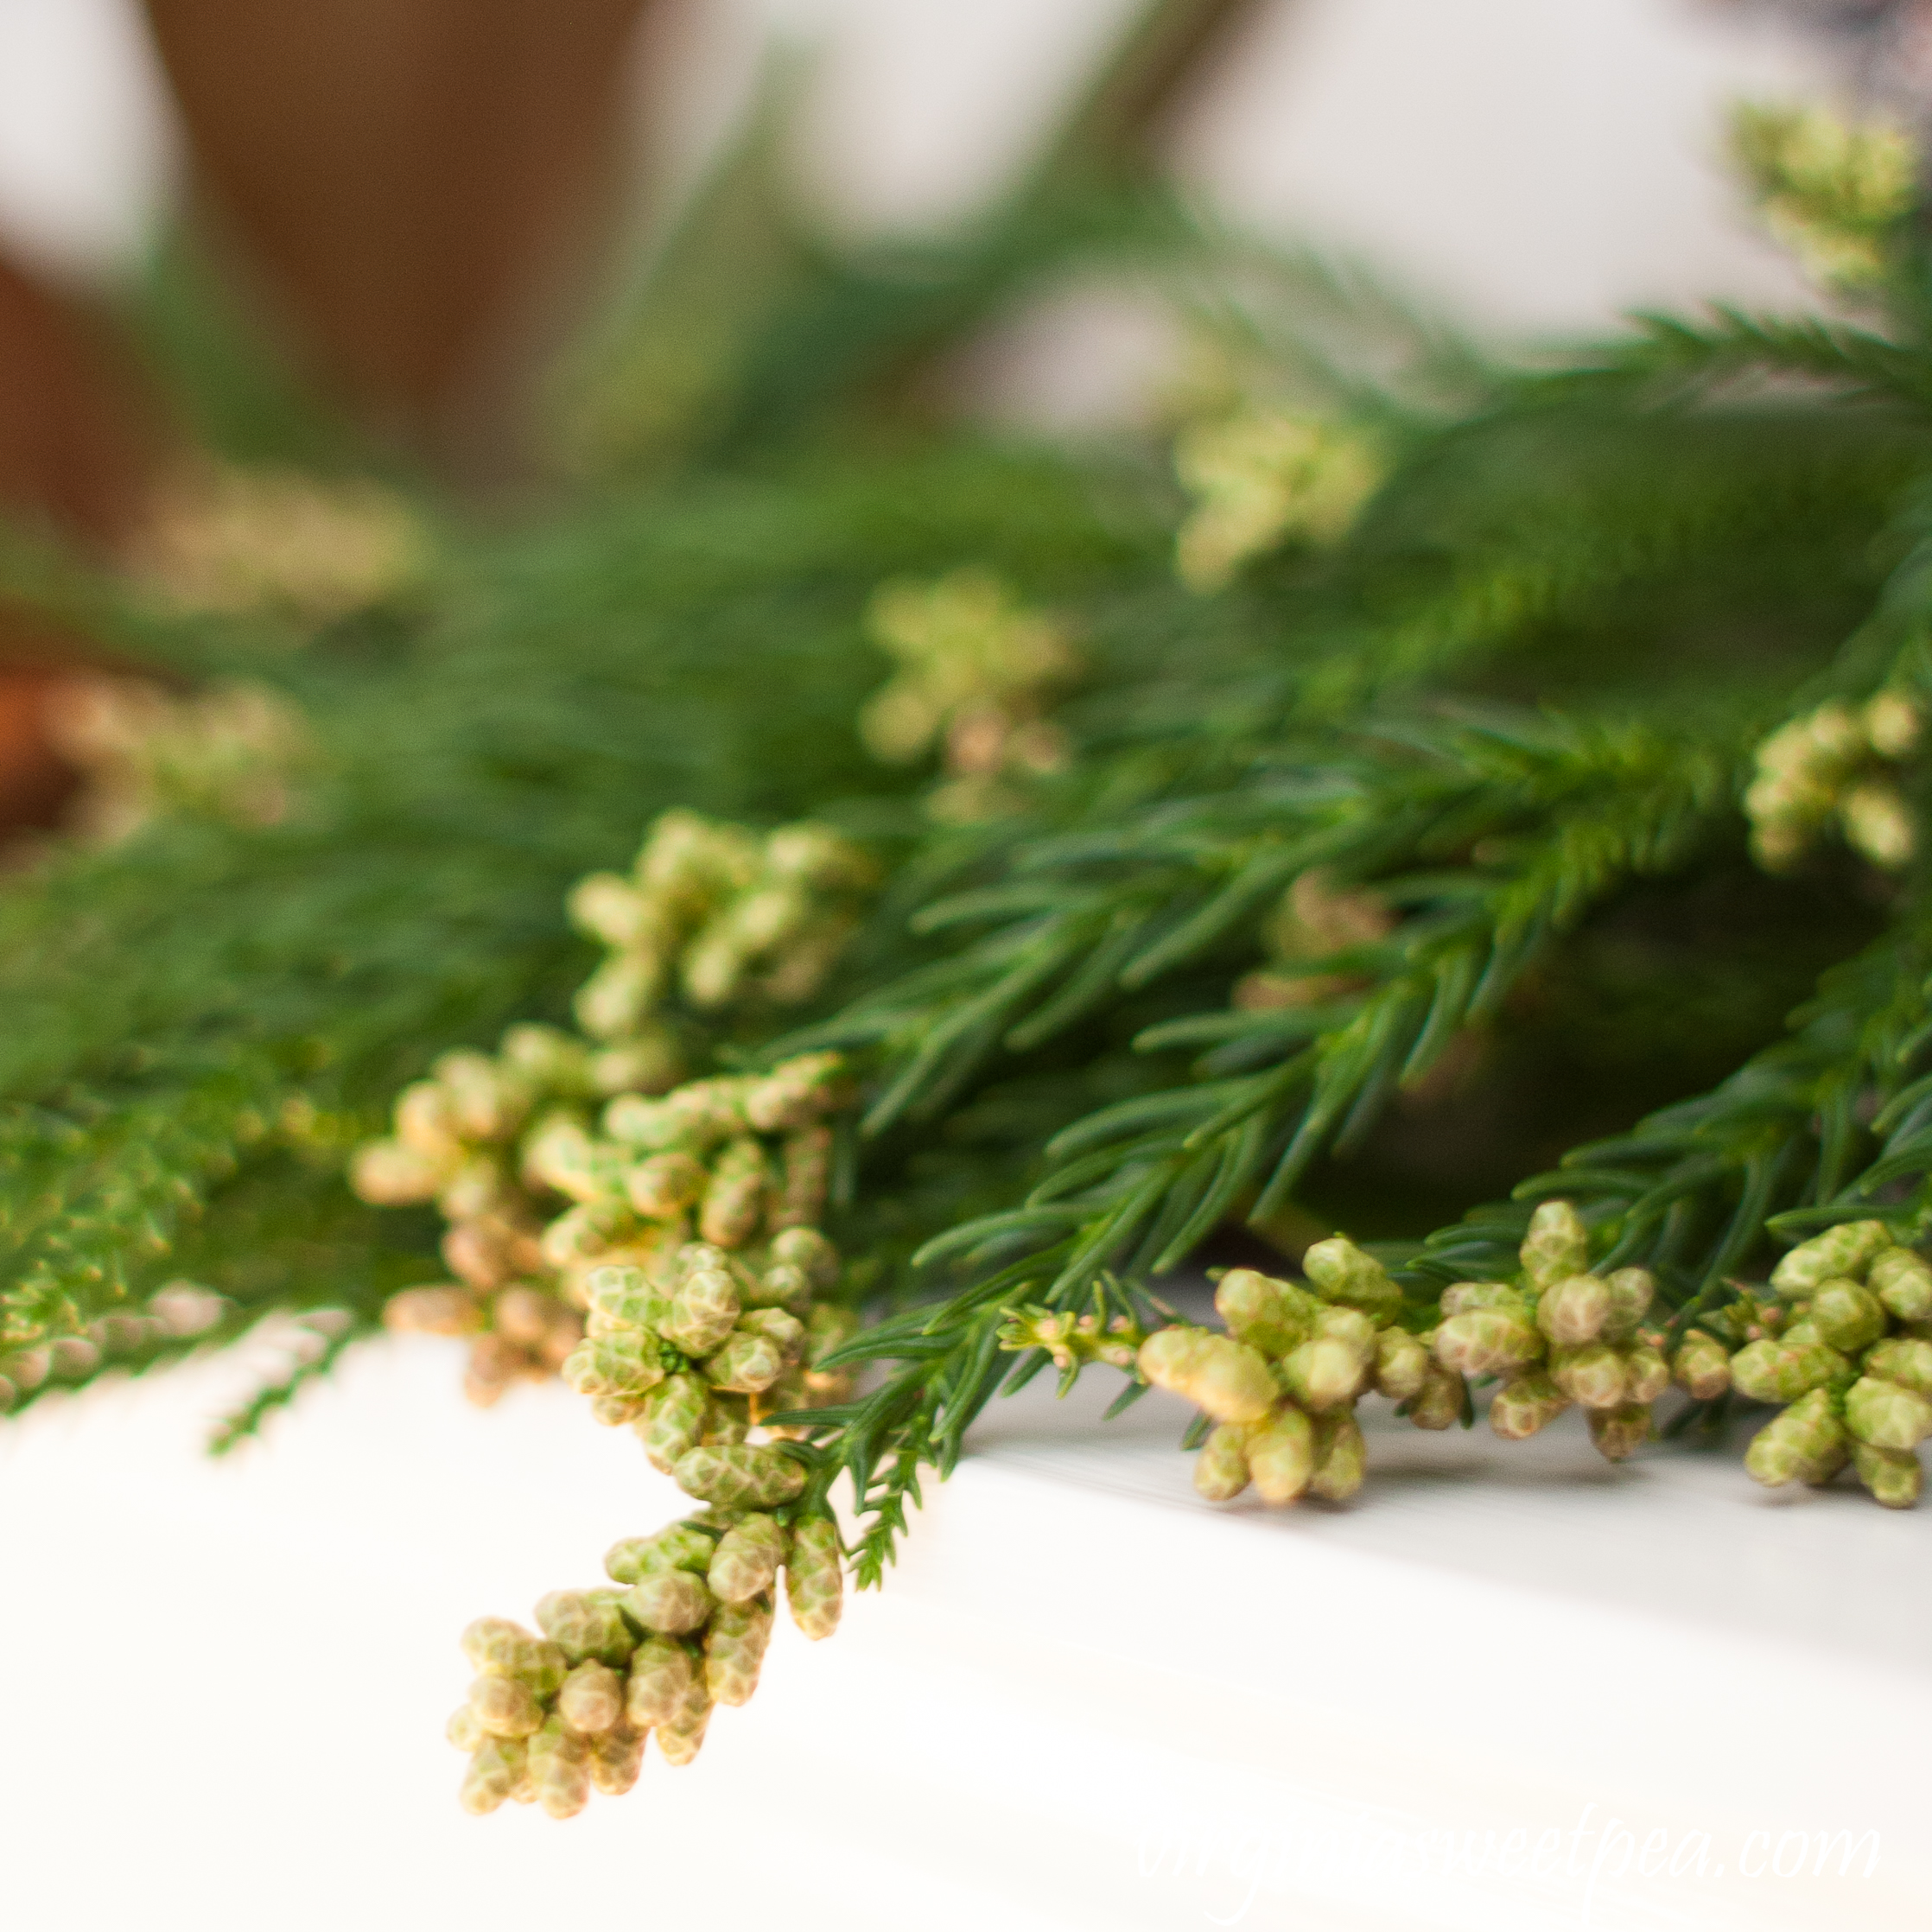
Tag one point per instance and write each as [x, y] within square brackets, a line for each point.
[1084, 1700]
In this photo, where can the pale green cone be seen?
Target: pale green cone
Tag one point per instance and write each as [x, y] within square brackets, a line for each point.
[781, 1287]
[1847, 1250]
[499, 1766]
[623, 1364]
[1847, 1317]
[677, 1546]
[1459, 1298]
[1631, 1291]
[796, 1093]
[1702, 1368]
[1594, 1377]
[1230, 1382]
[559, 1769]
[681, 1736]
[1269, 1316]
[782, 1329]
[727, 1421]
[805, 1177]
[748, 1558]
[1487, 1341]
[1281, 1456]
[1525, 1404]
[463, 1731]
[1903, 1280]
[506, 1706]
[1326, 1373]
[1646, 1374]
[672, 1424]
[703, 1311]
[663, 1185]
[1572, 1312]
[806, 1248]
[1439, 1403]
[1402, 1363]
[745, 1364]
[1620, 1433]
[814, 1577]
[1341, 1457]
[734, 1203]
[662, 1673]
[1886, 1415]
[1893, 1476]
[1339, 1272]
[1221, 1469]
[499, 1648]
[1775, 1456]
[612, 1411]
[734, 1643]
[623, 1297]
[582, 1626]
[1905, 1359]
[1778, 1371]
[616, 1758]
[592, 1698]
[668, 1602]
[740, 1478]
[1556, 1246]
[1806, 1444]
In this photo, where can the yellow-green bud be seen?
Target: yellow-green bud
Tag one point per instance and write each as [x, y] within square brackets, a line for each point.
[703, 1311]
[1847, 1250]
[781, 1287]
[506, 1706]
[1573, 1311]
[592, 1698]
[814, 1579]
[585, 1232]
[1269, 1316]
[673, 1421]
[1281, 1455]
[1459, 1298]
[1402, 1363]
[1848, 1318]
[559, 1769]
[1905, 1359]
[583, 1625]
[1557, 1245]
[1646, 1374]
[747, 1561]
[1333, 1368]
[806, 1169]
[616, 1758]
[662, 1186]
[796, 1093]
[727, 1420]
[1780, 1371]
[1341, 1457]
[807, 1248]
[1631, 1290]
[1703, 1366]
[493, 1774]
[1339, 1272]
[662, 1673]
[737, 1477]
[744, 1364]
[1893, 1476]
[681, 1736]
[1229, 1381]
[675, 1547]
[497, 1648]
[1886, 1415]
[623, 1297]
[1487, 1341]
[669, 1602]
[1221, 1469]
[651, 1125]
[734, 1201]
[1594, 1377]
[623, 1364]
[463, 1730]
[734, 1649]
[1805, 1444]
[1439, 1403]
[1526, 1403]
[1903, 1280]
[1620, 1433]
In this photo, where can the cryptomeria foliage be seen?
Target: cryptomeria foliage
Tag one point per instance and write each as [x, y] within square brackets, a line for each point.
[1508, 716]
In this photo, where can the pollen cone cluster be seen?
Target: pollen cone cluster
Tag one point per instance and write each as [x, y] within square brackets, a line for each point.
[681, 1628]
[1280, 1386]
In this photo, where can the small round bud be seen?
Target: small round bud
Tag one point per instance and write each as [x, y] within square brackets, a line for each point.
[1893, 1476]
[662, 1674]
[807, 1248]
[583, 1625]
[703, 1311]
[506, 1706]
[1620, 1433]
[1401, 1365]
[559, 1769]
[616, 1758]
[1230, 1382]
[669, 1602]
[1903, 1282]
[1905, 1359]
[1460, 1297]
[497, 1648]
[1326, 1373]
[1487, 1341]
[1221, 1469]
[1525, 1404]
[1780, 1371]
[734, 1201]
[747, 1561]
[1631, 1291]
[814, 1581]
[673, 1421]
[1340, 1272]
[1646, 1374]
[1703, 1366]
[675, 1547]
[1557, 1245]
[622, 1365]
[681, 1736]
[494, 1772]
[1847, 1250]
[1281, 1455]
[1886, 1415]
[1439, 1403]
[1594, 1376]
[1573, 1311]
[740, 1478]
[1847, 1317]
[734, 1649]
[1271, 1317]
[463, 1730]
[592, 1698]
[1341, 1457]
[661, 1187]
